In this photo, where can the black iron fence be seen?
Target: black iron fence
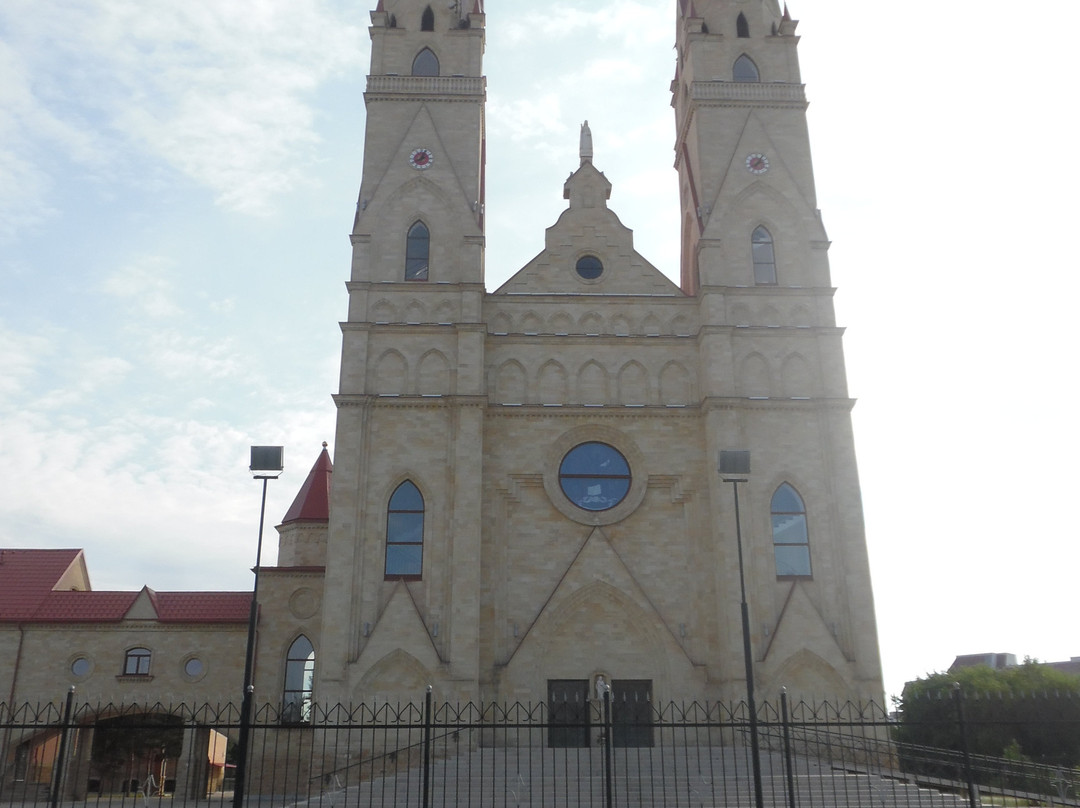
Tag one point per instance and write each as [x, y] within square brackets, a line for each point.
[595, 753]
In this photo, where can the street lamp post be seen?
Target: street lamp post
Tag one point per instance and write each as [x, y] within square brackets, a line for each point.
[733, 467]
[267, 463]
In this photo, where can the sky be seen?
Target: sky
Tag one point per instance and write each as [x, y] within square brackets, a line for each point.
[178, 178]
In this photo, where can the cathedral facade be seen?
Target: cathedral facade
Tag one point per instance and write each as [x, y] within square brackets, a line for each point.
[525, 494]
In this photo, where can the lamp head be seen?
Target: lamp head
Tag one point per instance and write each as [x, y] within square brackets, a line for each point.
[267, 462]
[733, 462]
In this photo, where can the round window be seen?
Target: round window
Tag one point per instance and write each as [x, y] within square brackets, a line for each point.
[80, 667]
[590, 267]
[594, 476]
[193, 667]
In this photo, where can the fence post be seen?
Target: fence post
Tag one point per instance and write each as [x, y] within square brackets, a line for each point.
[426, 784]
[608, 797]
[788, 767]
[973, 794]
[58, 770]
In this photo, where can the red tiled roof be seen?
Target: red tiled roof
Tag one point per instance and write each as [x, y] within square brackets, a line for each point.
[171, 607]
[84, 607]
[27, 577]
[312, 503]
[203, 607]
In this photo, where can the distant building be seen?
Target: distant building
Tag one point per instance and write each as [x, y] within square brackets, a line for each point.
[1002, 661]
[995, 661]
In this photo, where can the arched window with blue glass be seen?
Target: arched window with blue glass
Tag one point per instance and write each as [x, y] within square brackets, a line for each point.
[791, 537]
[764, 256]
[426, 63]
[298, 693]
[405, 533]
[417, 252]
[745, 69]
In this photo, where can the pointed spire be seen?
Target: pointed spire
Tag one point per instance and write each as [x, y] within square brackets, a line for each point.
[312, 503]
[586, 149]
[787, 14]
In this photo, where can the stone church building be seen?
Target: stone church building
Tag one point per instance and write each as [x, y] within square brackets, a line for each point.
[524, 493]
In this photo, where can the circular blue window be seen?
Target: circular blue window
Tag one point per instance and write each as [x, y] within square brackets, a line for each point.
[589, 267]
[594, 476]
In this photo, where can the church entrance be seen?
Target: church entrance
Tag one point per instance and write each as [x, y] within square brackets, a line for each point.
[631, 712]
[569, 713]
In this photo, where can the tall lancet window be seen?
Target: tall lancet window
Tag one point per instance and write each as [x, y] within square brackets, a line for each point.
[405, 533]
[742, 27]
[761, 248]
[417, 250]
[427, 20]
[746, 70]
[791, 539]
[299, 687]
[426, 63]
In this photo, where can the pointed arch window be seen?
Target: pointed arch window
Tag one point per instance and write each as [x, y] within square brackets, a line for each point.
[426, 63]
[296, 697]
[427, 20]
[761, 249]
[742, 27]
[745, 69]
[791, 539]
[417, 250]
[405, 533]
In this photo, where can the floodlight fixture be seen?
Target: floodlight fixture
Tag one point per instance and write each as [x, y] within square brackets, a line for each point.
[267, 462]
[732, 462]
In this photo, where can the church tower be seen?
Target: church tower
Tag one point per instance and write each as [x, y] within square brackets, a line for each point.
[754, 255]
[742, 148]
[404, 526]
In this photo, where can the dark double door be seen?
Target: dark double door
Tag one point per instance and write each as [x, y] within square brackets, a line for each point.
[571, 713]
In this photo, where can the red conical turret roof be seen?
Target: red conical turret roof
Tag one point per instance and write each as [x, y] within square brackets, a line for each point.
[312, 503]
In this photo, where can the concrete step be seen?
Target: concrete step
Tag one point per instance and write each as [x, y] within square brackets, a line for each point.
[680, 776]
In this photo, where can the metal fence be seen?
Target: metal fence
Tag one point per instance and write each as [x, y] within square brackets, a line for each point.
[597, 753]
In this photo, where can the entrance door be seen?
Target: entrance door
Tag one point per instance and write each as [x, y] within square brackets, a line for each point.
[631, 712]
[568, 713]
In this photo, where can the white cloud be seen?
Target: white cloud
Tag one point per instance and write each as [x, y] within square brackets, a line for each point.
[177, 355]
[221, 92]
[145, 284]
[21, 355]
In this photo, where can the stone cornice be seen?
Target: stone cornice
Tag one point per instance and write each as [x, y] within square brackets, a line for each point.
[748, 94]
[411, 286]
[428, 402]
[778, 330]
[594, 412]
[770, 291]
[593, 339]
[426, 88]
[714, 403]
[414, 328]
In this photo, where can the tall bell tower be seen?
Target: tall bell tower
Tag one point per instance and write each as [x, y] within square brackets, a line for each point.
[742, 148]
[754, 255]
[401, 579]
